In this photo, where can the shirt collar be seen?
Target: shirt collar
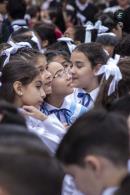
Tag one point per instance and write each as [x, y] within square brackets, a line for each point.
[66, 104]
[82, 7]
[19, 22]
[93, 93]
[110, 191]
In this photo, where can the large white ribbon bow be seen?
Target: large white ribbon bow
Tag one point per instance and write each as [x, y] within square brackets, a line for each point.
[13, 49]
[89, 27]
[111, 69]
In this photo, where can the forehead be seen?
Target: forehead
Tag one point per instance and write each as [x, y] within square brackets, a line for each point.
[41, 61]
[70, 30]
[37, 78]
[59, 58]
[78, 56]
[54, 67]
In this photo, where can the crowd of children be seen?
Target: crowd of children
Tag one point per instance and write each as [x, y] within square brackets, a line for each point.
[64, 97]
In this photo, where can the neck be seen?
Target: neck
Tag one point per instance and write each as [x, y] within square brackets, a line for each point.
[94, 84]
[55, 100]
[115, 176]
[18, 102]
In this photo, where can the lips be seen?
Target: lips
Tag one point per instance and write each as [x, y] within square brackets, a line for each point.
[74, 78]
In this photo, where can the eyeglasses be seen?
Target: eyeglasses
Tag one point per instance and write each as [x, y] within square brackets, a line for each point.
[62, 73]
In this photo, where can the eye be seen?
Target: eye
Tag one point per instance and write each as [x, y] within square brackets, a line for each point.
[47, 67]
[41, 70]
[59, 74]
[79, 65]
[66, 65]
[38, 85]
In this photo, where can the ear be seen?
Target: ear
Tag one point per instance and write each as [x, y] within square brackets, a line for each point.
[18, 88]
[45, 43]
[3, 190]
[93, 162]
[96, 68]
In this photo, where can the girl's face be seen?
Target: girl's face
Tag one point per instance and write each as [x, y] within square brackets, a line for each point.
[83, 75]
[33, 93]
[45, 74]
[62, 79]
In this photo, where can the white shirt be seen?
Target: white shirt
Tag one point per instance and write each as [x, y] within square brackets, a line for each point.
[112, 9]
[69, 187]
[51, 130]
[81, 6]
[110, 191]
[17, 24]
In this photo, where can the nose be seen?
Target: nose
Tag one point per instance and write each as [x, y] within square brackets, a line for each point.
[69, 75]
[48, 74]
[42, 93]
[73, 70]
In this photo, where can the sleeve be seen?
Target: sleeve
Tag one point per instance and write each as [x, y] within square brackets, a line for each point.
[51, 131]
[69, 187]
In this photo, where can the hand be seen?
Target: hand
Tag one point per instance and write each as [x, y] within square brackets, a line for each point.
[34, 112]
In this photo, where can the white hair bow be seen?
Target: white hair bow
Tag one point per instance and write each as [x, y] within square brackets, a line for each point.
[89, 27]
[101, 28]
[13, 49]
[111, 69]
[69, 43]
[35, 40]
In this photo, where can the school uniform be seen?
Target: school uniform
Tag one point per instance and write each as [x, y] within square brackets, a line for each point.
[110, 191]
[51, 130]
[85, 99]
[83, 12]
[17, 24]
[67, 113]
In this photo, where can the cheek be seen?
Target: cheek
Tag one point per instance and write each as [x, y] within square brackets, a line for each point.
[43, 76]
[85, 75]
[58, 86]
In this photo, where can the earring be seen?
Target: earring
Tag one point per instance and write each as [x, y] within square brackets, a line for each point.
[20, 93]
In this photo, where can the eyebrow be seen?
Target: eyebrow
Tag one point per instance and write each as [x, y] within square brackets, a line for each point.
[58, 71]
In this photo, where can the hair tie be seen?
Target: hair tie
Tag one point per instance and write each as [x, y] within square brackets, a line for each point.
[35, 40]
[111, 69]
[89, 27]
[69, 42]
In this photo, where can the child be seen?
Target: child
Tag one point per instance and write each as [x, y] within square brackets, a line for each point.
[95, 152]
[59, 56]
[22, 85]
[66, 111]
[32, 56]
[86, 60]
[26, 35]
[26, 165]
[46, 32]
